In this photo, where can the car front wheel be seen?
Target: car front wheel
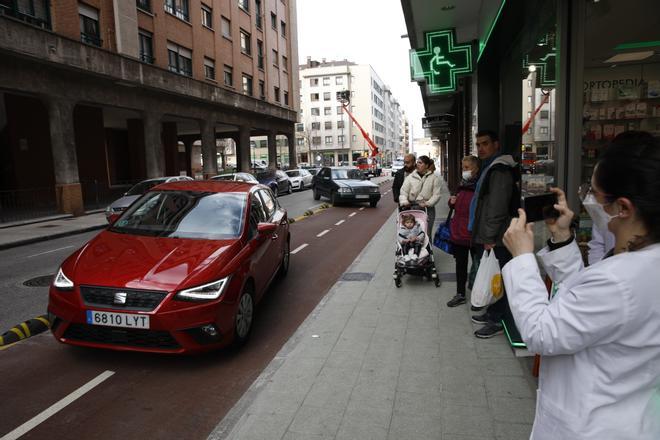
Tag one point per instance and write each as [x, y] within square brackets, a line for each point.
[244, 316]
[286, 257]
[373, 203]
[317, 196]
[289, 189]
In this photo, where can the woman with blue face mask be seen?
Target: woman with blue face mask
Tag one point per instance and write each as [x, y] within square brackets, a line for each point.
[599, 335]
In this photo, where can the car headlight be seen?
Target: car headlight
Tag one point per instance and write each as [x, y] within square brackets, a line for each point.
[373, 190]
[205, 292]
[344, 190]
[62, 282]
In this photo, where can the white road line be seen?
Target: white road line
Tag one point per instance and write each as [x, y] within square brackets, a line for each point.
[48, 252]
[361, 209]
[339, 222]
[352, 214]
[43, 416]
[299, 248]
[322, 233]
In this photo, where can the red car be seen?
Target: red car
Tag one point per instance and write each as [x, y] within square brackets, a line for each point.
[179, 272]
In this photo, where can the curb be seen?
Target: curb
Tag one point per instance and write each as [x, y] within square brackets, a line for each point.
[24, 330]
[49, 237]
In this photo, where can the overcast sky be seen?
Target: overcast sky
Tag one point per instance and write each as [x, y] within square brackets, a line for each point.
[365, 32]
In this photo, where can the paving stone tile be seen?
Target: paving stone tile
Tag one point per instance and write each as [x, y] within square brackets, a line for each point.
[314, 420]
[419, 382]
[418, 404]
[512, 431]
[467, 420]
[511, 409]
[354, 428]
[409, 427]
[262, 427]
[505, 386]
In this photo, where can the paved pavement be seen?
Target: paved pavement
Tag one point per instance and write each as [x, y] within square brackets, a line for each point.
[376, 362]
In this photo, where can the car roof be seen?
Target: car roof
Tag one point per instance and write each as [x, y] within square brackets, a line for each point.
[207, 186]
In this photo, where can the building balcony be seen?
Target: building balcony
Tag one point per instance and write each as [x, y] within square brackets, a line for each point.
[34, 20]
[145, 58]
[92, 39]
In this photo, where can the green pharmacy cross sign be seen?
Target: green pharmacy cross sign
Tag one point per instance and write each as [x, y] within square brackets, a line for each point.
[441, 61]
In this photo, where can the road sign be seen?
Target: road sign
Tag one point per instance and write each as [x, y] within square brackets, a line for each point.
[441, 61]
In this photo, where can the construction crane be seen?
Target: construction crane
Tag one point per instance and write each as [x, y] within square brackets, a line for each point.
[368, 166]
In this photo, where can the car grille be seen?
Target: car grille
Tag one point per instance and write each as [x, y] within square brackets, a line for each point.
[361, 190]
[121, 336]
[140, 300]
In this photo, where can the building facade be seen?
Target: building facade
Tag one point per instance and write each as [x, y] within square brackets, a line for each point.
[326, 134]
[106, 93]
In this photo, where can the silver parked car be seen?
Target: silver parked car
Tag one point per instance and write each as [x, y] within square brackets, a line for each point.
[300, 178]
[118, 206]
[238, 177]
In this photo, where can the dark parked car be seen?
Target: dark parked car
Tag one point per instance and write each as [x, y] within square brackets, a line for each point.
[276, 180]
[341, 184]
[180, 271]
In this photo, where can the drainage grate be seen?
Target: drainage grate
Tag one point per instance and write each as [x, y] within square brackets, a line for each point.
[42, 281]
[447, 276]
[357, 276]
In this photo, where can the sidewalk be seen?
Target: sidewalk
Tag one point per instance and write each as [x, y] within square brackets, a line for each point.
[376, 362]
[22, 234]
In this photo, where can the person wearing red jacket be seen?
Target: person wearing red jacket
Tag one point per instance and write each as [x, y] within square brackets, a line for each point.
[460, 236]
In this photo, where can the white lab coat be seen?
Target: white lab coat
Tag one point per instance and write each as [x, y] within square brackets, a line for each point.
[600, 341]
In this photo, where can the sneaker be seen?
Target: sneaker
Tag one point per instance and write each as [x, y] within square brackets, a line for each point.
[476, 309]
[481, 319]
[456, 301]
[489, 330]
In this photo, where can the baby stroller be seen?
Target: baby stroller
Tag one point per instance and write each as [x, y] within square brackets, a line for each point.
[424, 265]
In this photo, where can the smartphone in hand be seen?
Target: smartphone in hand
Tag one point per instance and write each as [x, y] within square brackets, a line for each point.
[540, 207]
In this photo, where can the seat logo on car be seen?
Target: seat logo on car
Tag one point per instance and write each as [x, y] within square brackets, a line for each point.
[120, 298]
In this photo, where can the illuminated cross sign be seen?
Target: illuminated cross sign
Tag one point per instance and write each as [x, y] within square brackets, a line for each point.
[441, 61]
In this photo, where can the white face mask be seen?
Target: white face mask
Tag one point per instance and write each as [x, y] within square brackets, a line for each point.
[467, 175]
[599, 216]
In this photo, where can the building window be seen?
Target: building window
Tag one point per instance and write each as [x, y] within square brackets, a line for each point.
[340, 124]
[209, 68]
[314, 97]
[285, 62]
[286, 98]
[543, 130]
[327, 110]
[262, 89]
[315, 111]
[328, 140]
[339, 80]
[260, 54]
[545, 114]
[326, 81]
[326, 96]
[259, 18]
[207, 16]
[283, 29]
[277, 94]
[145, 5]
[316, 125]
[179, 8]
[314, 82]
[89, 25]
[300, 127]
[529, 99]
[300, 142]
[225, 27]
[328, 125]
[229, 76]
[340, 139]
[339, 111]
[246, 47]
[354, 138]
[179, 59]
[316, 140]
[244, 5]
[247, 84]
[273, 20]
[145, 39]
[276, 59]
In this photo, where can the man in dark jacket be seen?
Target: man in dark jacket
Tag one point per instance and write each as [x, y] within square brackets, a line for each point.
[400, 175]
[490, 216]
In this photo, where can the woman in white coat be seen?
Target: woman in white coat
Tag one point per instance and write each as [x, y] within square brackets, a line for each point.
[422, 188]
[599, 334]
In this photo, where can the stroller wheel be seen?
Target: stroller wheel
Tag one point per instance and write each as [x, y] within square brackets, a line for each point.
[397, 282]
[437, 282]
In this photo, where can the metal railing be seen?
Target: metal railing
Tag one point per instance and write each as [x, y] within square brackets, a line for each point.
[94, 40]
[25, 204]
[145, 58]
[145, 5]
[42, 22]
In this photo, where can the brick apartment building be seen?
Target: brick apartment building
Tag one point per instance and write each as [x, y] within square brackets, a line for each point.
[97, 94]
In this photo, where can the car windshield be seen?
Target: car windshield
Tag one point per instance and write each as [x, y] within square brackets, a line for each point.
[346, 174]
[313, 171]
[185, 214]
[223, 177]
[143, 187]
[295, 173]
[265, 175]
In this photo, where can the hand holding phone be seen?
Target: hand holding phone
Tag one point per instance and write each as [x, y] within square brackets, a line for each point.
[540, 206]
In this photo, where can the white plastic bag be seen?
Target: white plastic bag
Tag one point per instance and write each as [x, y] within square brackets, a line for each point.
[488, 287]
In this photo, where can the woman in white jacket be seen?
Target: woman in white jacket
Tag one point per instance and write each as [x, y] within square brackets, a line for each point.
[422, 188]
[599, 334]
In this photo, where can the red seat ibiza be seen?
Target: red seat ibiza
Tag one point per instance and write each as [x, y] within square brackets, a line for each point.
[179, 272]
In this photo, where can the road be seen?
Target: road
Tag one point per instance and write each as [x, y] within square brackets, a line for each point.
[149, 396]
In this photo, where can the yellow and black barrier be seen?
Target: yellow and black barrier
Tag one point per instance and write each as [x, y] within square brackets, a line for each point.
[25, 330]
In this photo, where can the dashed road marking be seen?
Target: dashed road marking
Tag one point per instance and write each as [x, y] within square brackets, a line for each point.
[361, 209]
[322, 233]
[48, 252]
[352, 214]
[299, 248]
[339, 222]
[49, 412]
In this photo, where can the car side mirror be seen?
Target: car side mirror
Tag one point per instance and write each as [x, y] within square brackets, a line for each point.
[112, 218]
[266, 228]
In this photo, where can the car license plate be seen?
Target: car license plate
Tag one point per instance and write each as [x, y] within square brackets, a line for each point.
[110, 319]
[361, 196]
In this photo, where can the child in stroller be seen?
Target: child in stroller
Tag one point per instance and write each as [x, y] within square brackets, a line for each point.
[414, 255]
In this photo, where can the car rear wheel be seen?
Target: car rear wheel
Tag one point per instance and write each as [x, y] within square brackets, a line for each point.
[275, 190]
[317, 196]
[244, 316]
[289, 189]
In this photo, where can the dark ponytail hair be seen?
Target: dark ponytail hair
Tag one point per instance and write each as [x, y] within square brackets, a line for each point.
[630, 168]
[427, 160]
